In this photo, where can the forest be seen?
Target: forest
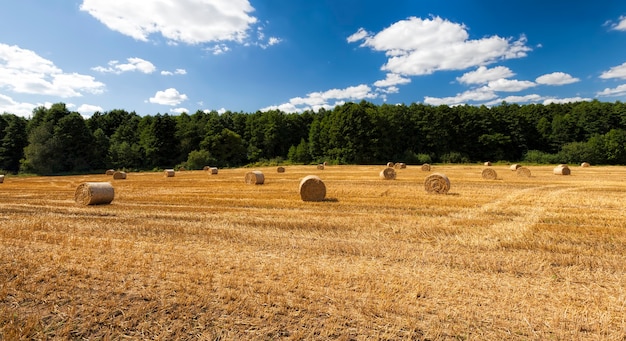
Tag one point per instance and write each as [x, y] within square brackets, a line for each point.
[56, 140]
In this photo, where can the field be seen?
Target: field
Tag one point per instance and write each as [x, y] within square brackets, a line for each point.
[209, 257]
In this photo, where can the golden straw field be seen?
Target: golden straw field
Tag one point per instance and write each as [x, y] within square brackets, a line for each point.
[208, 257]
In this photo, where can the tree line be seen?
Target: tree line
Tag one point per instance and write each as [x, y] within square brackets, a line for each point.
[56, 140]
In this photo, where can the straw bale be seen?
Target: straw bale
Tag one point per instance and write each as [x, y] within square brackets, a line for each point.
[585, 164]
[515, 166]
[255, 178]
[321, 166]
[489, 174]
[212, 170]
[312, 188]
[488, 164]
[400, 165]
[110, 172]
[562, 170]
[280, 169]
[206, 168]
[94, 193]
[1, 178]
[169, 173]
[388, 173]
[390, 164]
[119, 175]
[523, 171]
[437, 183]
[426, 167]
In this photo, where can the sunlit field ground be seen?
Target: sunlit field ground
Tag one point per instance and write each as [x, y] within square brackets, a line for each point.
[200, 256]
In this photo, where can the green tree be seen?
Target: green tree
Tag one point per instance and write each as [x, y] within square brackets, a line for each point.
[13, 140]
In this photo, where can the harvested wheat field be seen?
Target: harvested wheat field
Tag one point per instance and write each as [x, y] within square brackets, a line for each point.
[208, 258]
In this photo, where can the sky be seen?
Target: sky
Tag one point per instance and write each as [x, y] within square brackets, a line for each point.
[173, 56]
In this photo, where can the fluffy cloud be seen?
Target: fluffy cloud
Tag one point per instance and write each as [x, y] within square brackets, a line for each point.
[565, 100]
[391, 80]
[618, 91]
[510, 85]
[621, 25]
[418, 46]
[474, 95]
[615, 72]
[186, 21]
[326, 99]
[7, 104]
[176, 72]
[134, 64]
[23, 71]
[484, 75]
[556, 78]
[88, 108]
[169, 96]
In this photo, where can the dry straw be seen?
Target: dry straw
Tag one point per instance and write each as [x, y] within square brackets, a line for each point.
[489, 174]
[388, 173]
[426, 167]
[312, 188]
[400, 165]
[523, 171]
[562, 170]
[94, 193]
[515, 166]
[488, 164]
[119, 175]
[321, 166]
[390, 164]
[255, 178]
[212, 170]
[206, 168]
[585, 164]
[169, 173]
[1, 178]
[110, 172]
[437, 183]
[280, 169]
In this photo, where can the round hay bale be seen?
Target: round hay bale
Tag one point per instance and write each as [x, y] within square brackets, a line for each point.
[488, 164]
[400, 165]
[206, 168]
[325, 163]
[321, 166]
[255, 178]
[585, 164]
[390, 164]
[388, 173]
[119, 175]
[562, 170]
[280, 169]
[94, 193]
[312, 188]
[1, 178]
[437, 183]
[515, 166]
[426, 167]
[212, 170]
[110, 172]
[169, 173]
[523, 171]
[489, 174]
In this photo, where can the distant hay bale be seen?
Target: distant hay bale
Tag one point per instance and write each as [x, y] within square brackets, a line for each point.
[255, 178]
[206, 168]
[437, 183]
[426, 167]
[169, 173]
[94, 193]
[119, 175]
[400, 165]
[390, 164]
[562, 170]
[212, 170]
[585, 164]
[182, 169]
[515, 166]
[388, 173]
[523, 171]
[280, 169]
[321, 166]
[488, 164]
[1, 178]
[312, 188]
[110, 172]
[325, 163]
[489, 174]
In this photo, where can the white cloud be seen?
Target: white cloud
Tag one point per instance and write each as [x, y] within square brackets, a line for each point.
[484, 75]
[179, 110]
[621, 25]
[418, 46]
[8, 105]
[391, 80]
[532, 98]
[615, 72]
[176, 72]
[565, 100]
[134, 64]
[556, 78]
[218, 49]
[510, 85]
[317, 100]
[23, 71]
[88, 108]
[186, 21]
[169, 96]
[618, 91]
[474, 95]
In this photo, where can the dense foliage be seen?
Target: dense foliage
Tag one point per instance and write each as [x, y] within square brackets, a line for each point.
[55, 140]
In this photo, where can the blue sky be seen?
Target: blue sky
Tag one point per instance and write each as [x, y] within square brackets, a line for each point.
[172, 56]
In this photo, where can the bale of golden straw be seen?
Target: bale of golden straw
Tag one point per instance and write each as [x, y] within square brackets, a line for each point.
[515, 166]
[255, 178]
[523, 171]
[585, 164]
[390, 164]
[388, 173]
[110, 172]
[426, 167]
[312, 188]
[94, 193]
[437, 183]
[489, 174]
[488, 164]
[562, 170]
[212, 170]
[321, 166]
[280, 169]
[206, 168]
[119, 175]
[1, 178]
[169, 173]
[400, 165]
